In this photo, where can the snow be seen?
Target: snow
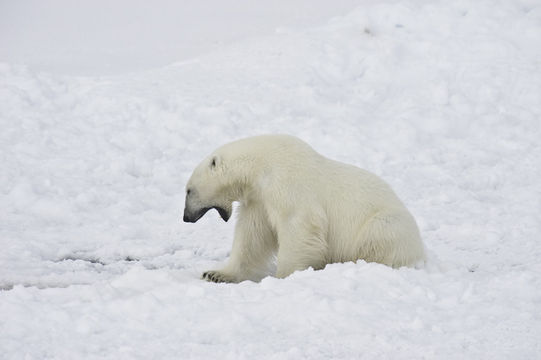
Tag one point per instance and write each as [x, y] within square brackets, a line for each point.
[441, 99]
[105, 37]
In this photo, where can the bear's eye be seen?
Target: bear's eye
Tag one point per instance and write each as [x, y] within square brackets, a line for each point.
[213, 163]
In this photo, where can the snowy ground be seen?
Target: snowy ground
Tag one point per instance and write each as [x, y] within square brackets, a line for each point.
[442, 99]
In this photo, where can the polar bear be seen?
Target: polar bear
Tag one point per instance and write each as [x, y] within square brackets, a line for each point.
[298, 209]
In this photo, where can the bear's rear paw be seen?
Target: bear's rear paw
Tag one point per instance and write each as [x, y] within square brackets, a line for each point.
[217, 277]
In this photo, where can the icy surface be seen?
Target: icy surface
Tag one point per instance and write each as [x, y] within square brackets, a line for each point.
[442, 99]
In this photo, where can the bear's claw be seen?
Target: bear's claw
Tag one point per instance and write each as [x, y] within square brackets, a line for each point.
[217, 277]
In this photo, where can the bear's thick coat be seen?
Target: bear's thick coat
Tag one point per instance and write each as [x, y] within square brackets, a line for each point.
[300, 208]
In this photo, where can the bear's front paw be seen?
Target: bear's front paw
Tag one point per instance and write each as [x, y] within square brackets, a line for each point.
[217, 277]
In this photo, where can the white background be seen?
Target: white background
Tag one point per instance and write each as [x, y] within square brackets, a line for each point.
[106, 107]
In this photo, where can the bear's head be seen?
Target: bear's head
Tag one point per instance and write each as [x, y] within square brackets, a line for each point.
[231, 173]
[207, 189]
[215, 183]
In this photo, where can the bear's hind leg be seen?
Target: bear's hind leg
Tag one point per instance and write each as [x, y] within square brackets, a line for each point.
[392, 238]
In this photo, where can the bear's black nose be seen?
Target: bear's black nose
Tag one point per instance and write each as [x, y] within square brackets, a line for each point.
[187, 217]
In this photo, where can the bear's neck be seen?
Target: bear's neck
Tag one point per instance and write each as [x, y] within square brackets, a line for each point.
[248, 182]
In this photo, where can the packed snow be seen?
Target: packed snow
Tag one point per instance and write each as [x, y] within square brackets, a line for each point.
[441, 99]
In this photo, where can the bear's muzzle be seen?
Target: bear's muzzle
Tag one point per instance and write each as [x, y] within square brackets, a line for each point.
[193, 216]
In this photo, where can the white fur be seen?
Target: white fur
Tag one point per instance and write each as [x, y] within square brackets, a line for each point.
[301, 207]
